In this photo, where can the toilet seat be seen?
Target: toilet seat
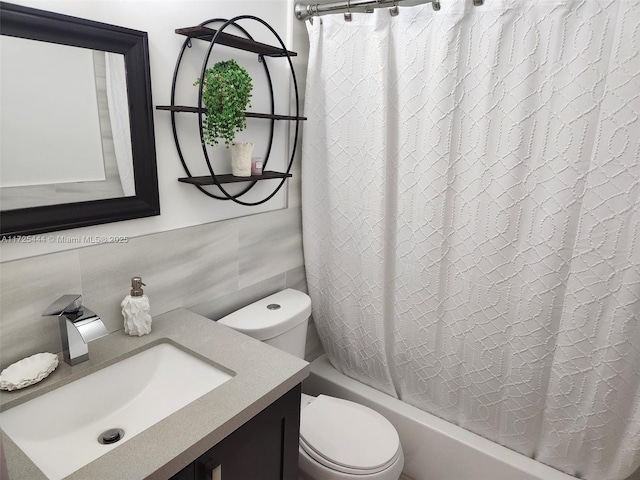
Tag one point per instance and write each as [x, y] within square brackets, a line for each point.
[348, 437]
[327, 463]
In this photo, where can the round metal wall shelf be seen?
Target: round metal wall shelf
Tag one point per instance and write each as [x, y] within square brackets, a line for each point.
[219, 37]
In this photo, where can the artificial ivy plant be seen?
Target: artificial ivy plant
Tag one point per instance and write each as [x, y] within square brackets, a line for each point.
[225, 96]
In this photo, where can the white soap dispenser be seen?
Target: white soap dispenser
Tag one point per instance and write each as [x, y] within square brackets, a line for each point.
[135, 310]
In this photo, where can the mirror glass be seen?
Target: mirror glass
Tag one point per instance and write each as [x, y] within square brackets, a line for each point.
[77, 123]
[71, 146]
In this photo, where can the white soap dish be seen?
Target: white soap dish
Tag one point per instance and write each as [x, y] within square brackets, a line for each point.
[28, 371]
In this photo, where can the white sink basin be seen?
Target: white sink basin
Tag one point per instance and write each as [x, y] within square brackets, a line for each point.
[59, 430]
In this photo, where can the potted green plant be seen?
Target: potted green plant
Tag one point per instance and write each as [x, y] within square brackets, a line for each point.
[225, 96]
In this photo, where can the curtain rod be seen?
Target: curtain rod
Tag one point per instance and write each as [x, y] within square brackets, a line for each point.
[304, 11]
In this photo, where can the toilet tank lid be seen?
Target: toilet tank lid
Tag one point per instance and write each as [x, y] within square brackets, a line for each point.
[272, 315]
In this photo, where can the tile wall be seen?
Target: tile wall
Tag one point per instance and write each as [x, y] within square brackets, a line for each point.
[211, 269]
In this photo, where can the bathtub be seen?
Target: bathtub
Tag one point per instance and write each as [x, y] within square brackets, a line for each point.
[433, 448]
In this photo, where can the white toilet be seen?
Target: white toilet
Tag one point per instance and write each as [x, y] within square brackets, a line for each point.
[339, 439]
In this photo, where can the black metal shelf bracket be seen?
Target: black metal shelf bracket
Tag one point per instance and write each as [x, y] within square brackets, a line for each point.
[218, 36]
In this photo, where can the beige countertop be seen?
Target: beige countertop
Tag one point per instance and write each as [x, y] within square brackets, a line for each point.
[262, 375]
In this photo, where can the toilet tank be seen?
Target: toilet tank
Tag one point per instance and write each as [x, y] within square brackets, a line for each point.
[279, 320]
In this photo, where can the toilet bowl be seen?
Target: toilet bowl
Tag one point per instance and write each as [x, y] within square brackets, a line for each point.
[339, 439]
[343, 440]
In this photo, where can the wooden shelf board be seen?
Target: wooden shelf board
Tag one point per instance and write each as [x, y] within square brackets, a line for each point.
[178, 108]
[207, 34]
[228, 178]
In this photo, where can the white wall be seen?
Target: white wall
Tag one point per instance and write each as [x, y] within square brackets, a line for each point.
[183, 205]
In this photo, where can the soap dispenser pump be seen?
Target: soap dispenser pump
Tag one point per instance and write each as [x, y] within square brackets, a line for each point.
[135, 310]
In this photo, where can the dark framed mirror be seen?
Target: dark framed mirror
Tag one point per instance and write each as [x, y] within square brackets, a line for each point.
[123, 184]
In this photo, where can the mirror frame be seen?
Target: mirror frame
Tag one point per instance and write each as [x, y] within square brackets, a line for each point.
[30, 23]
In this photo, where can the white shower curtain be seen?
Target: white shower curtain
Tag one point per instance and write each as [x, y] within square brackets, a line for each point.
[471, 189]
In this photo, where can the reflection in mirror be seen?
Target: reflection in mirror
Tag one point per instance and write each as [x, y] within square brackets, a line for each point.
[77, 123]
[71, 146]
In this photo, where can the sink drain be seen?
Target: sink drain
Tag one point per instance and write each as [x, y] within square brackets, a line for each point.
[110, 436]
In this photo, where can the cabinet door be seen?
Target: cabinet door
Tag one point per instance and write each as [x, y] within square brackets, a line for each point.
[264, 448]
[187, 473]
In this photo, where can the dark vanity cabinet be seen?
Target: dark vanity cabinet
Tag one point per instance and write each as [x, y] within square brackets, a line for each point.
[264, 448]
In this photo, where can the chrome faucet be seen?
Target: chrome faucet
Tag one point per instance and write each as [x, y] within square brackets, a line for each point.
[78, 327]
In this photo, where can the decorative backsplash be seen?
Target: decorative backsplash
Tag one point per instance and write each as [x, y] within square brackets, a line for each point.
[212, 269]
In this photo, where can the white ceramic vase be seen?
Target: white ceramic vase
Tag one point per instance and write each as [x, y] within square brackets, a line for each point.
[241, 159]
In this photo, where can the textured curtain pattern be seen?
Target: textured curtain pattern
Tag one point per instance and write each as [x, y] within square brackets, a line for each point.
[471, 189]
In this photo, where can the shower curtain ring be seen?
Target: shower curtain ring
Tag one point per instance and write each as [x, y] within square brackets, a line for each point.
[435, 4]
[347, 15]
[393, 11]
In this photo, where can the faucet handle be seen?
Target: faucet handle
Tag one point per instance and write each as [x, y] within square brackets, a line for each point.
[65, 304]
